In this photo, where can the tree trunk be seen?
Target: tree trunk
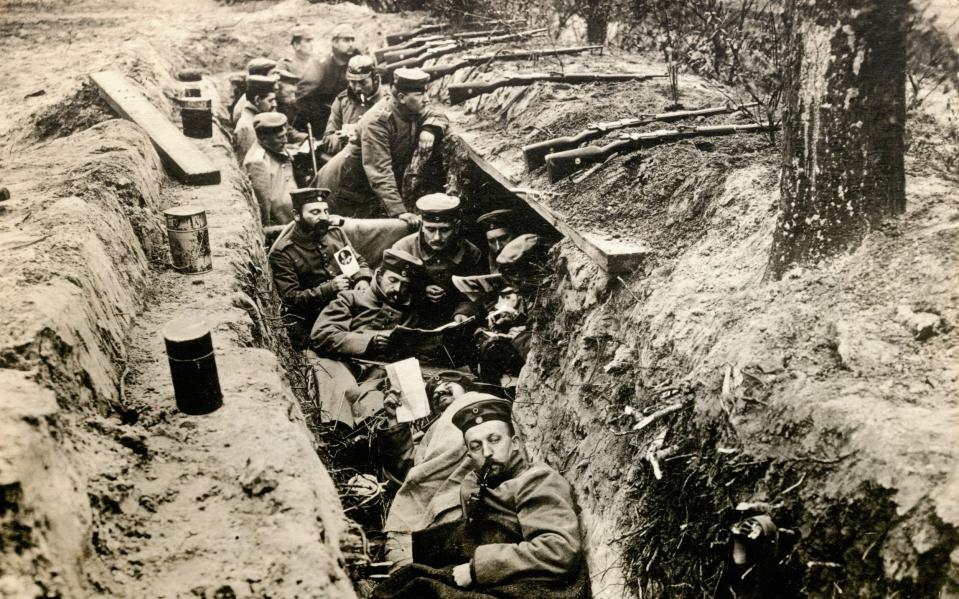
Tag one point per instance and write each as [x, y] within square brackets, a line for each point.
[843, 126]
[597, 21]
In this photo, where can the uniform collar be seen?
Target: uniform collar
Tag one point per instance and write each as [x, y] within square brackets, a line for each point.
[456, 255]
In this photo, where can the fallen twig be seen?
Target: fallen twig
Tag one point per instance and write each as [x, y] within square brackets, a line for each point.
[645, 422]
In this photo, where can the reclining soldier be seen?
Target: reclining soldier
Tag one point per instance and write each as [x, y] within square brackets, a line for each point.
[518, 536]
[357, 324]
[306, 273]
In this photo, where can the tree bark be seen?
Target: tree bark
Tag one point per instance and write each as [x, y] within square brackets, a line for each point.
[843, 126]
[597, 21]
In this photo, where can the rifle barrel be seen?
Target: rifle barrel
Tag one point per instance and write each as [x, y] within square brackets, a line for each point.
[460, 92]
[563, 164]
[536, 153]
[441, 70]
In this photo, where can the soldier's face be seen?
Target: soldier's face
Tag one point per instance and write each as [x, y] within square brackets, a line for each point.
[285, 93]
[438, 236]
[314, 216]
[445, 393]
[304, 47]
[265, 103]
[491, 441]
[497, 240]
[364, 86]
[273, 141]
[344, 45]
[415, 102]
[396, 288]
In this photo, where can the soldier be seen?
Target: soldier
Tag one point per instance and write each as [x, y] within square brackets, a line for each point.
[323, 79]
[505, 341]
[306, 273]
[445, 252]
[519, 534]
[498, 226]
[357, 324]
[270, 168]
[366, 176]
[362, 92]
[286, 103]
[261, 67]
[261, 94]
[301, 40]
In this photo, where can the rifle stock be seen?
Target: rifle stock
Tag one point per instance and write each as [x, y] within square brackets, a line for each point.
[536, 153]
[437, 71]
[414, 43]
[563, 164]
[460, 92]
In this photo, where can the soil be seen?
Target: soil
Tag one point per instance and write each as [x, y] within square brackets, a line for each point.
[108, 490]
[817, 400]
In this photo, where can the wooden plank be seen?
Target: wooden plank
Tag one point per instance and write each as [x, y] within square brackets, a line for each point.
[613, 256]
[184, 159]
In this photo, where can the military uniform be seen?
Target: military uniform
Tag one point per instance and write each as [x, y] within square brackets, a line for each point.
[244, 133]
[366, 176]
[519, 534]
[260, 67]
[344, 329]
[323, 79]
[462, 259]
[271, 174]
[303, 266]
[498, 228]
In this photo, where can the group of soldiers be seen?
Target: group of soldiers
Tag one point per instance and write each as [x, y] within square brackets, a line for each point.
[370, 273]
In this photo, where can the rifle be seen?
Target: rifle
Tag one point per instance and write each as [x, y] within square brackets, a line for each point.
[386, 72]
[441, 70]
[562, 164]
[460, 92]
[536, 153]
[309, 132]
[398, 55]
[397, 38]
[415, 43]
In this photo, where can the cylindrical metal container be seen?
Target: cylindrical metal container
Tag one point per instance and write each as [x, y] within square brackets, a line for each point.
[189, 348]
[189, 239]
[192, 79]
[197, 117]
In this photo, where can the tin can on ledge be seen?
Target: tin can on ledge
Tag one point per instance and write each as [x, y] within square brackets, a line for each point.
[196, 384]
[196, 114]
[189, 239]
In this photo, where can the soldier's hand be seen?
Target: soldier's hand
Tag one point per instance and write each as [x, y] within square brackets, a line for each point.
[380, 343]
[435, 293]
[462, 576]
[460, 317]
[362, 285]
[426, 141]
[341, 282]
[412, 220]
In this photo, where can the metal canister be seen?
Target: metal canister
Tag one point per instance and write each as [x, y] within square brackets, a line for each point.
[189, 239]
[197, 117]
[191, 80]
[189, 347]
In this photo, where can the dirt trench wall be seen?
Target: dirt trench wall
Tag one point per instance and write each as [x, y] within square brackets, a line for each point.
[97, 468]
[807, 399]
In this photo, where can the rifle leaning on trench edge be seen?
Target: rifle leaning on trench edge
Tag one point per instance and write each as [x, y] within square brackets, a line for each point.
[536, 153]
[563, 164]
[417, 56]
[394, 39]
[442, 70]
[460, 92]
[407, 49]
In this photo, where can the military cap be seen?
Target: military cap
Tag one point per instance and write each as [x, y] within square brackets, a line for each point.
[402, 263]
[260, 85]
[287, 77]
[300, 33]
[497, 219]
[308, 195]
[343, 30]
[482, 411]
[269, 122]
[410, 80]
[524, 250]
[448, 376]
[439, 208]
[359, 68]
[260, 66]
